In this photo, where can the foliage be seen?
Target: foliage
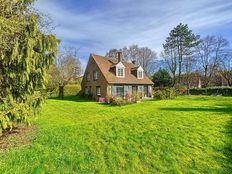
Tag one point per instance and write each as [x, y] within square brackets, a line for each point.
[118, 101]
[225, 91]
[162, 78]
[164, 136]
[179, 45]
[24, 63]
[166, 93]
[69, 90]
[66, 69]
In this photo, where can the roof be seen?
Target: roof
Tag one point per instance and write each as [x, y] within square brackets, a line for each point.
[105, 64]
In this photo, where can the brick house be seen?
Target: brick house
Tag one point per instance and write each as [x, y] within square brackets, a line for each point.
[106, 77]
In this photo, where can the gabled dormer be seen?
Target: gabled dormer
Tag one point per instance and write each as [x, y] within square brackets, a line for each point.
[119, 67]
[120, 70]
[140, 73]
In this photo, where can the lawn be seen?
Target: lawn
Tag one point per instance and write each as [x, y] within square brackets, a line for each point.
[186, 135]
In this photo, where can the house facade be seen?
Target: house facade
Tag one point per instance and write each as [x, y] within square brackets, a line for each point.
[106, 77]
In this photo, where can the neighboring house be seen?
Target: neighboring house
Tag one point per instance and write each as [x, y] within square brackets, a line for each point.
[105, 77]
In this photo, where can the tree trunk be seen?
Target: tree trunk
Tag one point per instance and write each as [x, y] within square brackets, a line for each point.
[179, 75]
[61, 91]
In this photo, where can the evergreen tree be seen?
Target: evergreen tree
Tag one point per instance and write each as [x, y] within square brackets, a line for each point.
[181, 39]
[23, 62]
[162, 78]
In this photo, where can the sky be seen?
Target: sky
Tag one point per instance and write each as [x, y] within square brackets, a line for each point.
[96, 26]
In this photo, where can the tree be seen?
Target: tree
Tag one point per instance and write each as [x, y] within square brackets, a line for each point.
[180, 39]
[226, 66]
[24, 62]
[143, 56]
[66, 68]
[170, 58]
[210, 50]
[112, 53]
[162, 78]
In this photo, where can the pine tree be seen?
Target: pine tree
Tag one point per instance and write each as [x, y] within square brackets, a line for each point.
[181, 39]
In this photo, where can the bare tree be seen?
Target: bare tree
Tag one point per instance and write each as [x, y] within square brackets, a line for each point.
[143, 56]
[225, 69]
[112, 53]
[147, 59]
[170, 58]
[209, 52]
[66, 68]
[189, 61]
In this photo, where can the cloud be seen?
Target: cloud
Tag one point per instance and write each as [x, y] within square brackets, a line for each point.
[97, 26]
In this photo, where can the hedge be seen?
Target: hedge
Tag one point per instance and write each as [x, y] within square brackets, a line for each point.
[225, 91]
[69, 90]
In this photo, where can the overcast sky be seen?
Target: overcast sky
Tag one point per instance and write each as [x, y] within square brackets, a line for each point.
[95, 26]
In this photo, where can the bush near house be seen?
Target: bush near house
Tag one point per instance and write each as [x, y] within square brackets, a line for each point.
[225, 91]
[165, 93]
[129, 99]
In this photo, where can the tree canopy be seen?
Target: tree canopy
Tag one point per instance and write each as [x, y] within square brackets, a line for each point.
[162, 78]
[25, 55]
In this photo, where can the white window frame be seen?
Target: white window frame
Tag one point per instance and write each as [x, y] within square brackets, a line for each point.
[120, 70]
[140, 73]
[95, 75]
[98, 90]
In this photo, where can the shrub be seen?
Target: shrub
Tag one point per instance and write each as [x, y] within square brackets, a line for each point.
[225, 91]
[118, 101]
[168, 93]
[162, 78]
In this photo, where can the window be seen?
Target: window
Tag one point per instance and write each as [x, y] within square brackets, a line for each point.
[140, 88]
[95, 75]
[98, 90]
[86, 90]
[88, 77]
[120, 91]
[140, 74]
[120, 72]
[89, 91]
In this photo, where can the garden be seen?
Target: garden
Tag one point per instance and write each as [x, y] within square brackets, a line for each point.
[190, 134]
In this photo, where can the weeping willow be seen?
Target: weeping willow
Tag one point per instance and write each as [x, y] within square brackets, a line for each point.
[25, 56]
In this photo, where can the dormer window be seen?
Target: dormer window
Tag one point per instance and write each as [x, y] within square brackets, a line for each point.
[140, 73]
[120, 70]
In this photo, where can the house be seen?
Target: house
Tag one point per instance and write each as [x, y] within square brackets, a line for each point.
[106, 77]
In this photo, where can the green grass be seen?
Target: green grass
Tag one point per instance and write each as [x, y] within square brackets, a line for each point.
[187, 135]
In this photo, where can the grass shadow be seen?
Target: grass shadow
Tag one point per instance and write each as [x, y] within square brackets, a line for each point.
[227, 109]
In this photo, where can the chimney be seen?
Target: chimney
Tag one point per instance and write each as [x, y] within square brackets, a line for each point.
[119, 56]
[134, 62]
